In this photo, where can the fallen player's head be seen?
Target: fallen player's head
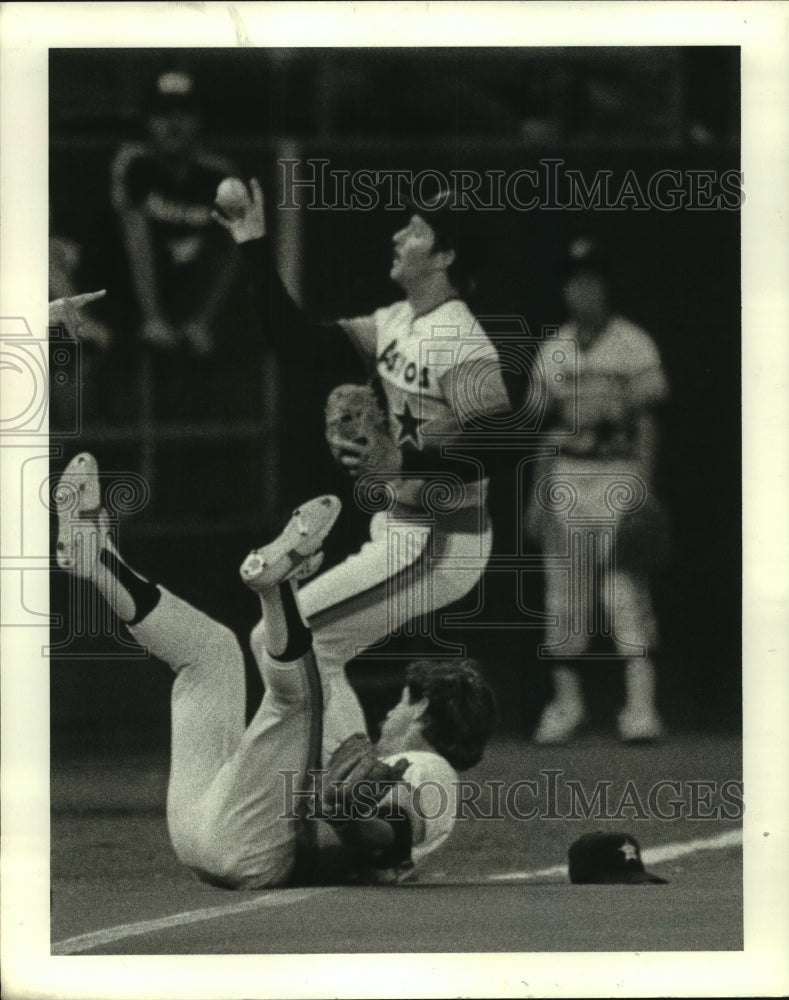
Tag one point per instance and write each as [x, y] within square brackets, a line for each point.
[459, 712]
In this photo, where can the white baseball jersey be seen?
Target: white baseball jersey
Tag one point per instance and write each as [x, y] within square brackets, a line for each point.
[419, 360]
[619, 375]
[433, 783]
[438, 370]
[434, 786]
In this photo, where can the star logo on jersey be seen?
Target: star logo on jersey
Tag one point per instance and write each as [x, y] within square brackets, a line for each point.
[409, 426]
[629, 850]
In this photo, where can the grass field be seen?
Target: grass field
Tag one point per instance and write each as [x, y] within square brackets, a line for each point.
[500, 885]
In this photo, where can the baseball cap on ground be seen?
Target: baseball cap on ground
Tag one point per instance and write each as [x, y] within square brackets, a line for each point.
[609, 858]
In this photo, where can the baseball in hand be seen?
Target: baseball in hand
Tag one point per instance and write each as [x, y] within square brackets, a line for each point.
[232, 197]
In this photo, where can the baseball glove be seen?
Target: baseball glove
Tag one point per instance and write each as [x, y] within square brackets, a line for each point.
[357, 780]
[357, 431]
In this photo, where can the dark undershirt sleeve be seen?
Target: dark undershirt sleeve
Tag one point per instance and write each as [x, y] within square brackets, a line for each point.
[284, 326]
[432, 461]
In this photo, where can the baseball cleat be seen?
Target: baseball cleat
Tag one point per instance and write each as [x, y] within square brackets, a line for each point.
[81, 518]
[639, 726]
[296, 553]
[558, 723]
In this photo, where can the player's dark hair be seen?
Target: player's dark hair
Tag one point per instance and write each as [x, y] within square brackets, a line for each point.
[459, 271]
[461, 712]
[449, 219]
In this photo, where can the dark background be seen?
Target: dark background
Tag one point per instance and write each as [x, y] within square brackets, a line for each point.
[224, 480]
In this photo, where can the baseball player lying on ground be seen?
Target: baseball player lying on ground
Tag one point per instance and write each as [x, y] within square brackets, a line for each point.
[239, 804]
[437, 370]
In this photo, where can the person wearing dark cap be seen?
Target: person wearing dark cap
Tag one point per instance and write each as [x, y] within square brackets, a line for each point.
[608, 412]
[436, 370]
[609, 859]
[162, 191]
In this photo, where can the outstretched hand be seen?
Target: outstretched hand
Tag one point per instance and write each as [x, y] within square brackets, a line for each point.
[67, 312]
[248, 221]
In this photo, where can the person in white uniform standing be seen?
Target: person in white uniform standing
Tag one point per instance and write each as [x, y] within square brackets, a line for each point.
[436, 371]
[609, 415]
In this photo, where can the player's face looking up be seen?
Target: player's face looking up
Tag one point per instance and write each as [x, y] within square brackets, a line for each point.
[402, 721]
[415, 257]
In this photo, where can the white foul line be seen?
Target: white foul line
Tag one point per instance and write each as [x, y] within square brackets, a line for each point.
[284, 897]
[272, 897]
[650, 855]
[654, 855]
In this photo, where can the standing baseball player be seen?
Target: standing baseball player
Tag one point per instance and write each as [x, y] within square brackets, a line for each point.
[238, 804]
[619, 384]
[437, 370]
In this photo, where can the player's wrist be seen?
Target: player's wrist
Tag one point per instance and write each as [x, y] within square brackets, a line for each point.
[243, 235]
[244, 229]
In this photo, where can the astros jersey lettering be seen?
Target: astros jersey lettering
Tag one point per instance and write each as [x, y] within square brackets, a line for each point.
[416, 359]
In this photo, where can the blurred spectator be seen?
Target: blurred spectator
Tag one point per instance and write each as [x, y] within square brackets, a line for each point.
[182, 265]
[611, 403]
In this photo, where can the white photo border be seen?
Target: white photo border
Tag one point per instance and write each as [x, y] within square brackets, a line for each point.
[27, 31]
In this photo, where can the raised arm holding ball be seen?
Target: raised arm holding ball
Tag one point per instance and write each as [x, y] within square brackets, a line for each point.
[425, 551]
